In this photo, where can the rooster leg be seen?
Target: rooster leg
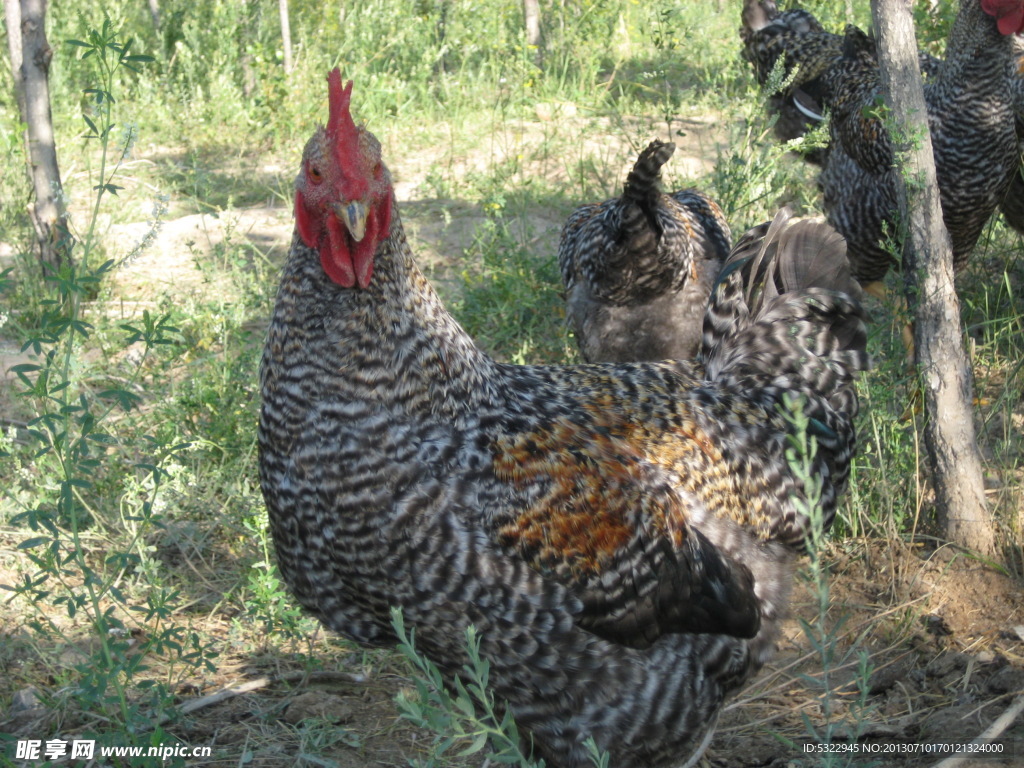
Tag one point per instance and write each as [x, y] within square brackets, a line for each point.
[876, 289]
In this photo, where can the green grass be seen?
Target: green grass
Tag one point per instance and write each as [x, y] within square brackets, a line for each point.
[157, 506]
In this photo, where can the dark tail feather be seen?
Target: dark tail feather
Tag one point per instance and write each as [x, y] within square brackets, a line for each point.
[644, 181]
[785, 321]
[785, 315]
[642, 191]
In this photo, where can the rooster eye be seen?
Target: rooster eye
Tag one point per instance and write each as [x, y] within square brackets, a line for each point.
[314, 174]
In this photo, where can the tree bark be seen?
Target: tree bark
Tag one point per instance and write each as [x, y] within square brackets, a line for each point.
[534, 38]
[944, 368]
[49, 216]
[12, 14]
[286, 35]
[154, 13]
[245, 32]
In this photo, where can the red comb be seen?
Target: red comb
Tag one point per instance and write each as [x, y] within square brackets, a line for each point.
[340, 121]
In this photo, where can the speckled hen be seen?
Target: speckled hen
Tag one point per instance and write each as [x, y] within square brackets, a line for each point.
[970, 101]
[638, 269]
[807, 53]
[623, 537]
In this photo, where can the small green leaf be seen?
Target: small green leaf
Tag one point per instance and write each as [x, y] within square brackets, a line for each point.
[475, 746]
[37, 541]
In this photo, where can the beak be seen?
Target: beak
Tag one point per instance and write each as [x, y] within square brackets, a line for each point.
[354, 217]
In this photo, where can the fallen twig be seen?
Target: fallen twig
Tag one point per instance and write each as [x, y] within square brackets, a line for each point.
[261, 682]
[989, 734]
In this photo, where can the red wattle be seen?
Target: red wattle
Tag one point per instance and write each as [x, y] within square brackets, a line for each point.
[347, 262]
[302, 222]
[335, 256]
[1012, 23]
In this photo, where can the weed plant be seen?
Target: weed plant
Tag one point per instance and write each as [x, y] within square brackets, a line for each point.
[465, 715]
[99, 481]
[823, 630]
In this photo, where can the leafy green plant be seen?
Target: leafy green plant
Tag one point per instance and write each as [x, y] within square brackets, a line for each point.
[509, 297]
[268, 600]
[109, 54]
[77, 437]
[822, 631]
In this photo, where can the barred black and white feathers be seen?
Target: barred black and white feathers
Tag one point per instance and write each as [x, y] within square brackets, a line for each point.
[796, 41]
[621, 536]
[785, 321]
[971, 119]
[638, 269]
[1012, 204]
[809, 56]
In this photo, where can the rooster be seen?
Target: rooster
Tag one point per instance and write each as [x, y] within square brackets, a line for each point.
[971, 118]
[638, 269]
[806, 50]
[622, 536]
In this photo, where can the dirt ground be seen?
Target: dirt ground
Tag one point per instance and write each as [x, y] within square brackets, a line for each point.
[944, 635]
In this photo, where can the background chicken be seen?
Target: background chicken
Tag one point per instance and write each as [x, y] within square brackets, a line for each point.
[809, 54]
[1012, 204]
[971, 119]
[622, 536]
[797, 39]
[638, 269]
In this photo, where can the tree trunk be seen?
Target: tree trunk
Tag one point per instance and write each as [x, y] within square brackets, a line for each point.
[928, 270]
[441, 31]
[245, 33]
[531, 10]
[154, 13]
[12, 14]
[286, 35]
[48, 214]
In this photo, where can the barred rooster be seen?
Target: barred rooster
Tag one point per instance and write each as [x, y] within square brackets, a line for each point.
[638, 269]
[970, 105]
[622, 537]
